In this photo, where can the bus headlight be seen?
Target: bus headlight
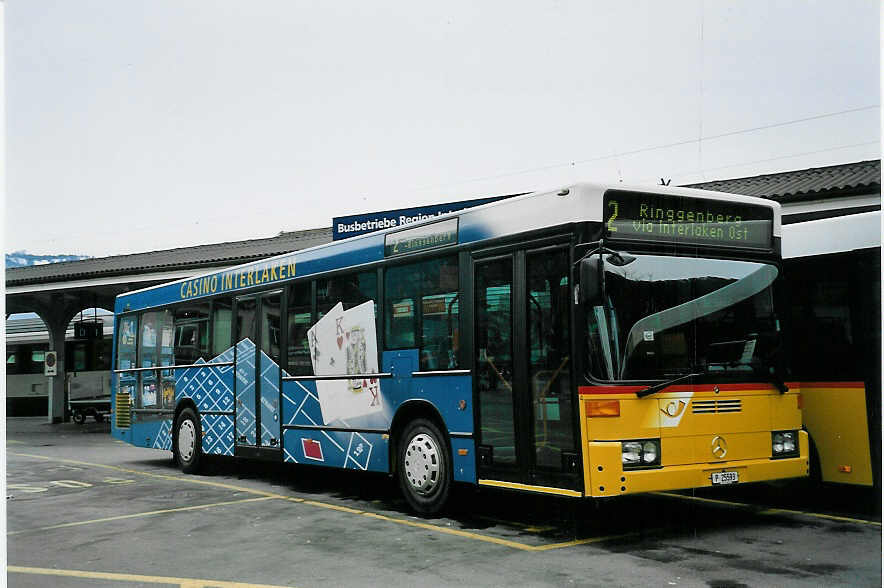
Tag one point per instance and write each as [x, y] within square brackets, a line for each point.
[642, 453]
[784, 444]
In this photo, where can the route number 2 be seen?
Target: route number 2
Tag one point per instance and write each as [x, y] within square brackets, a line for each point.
[615, 206]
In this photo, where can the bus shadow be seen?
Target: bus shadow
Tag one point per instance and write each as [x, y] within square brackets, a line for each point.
[619, 522]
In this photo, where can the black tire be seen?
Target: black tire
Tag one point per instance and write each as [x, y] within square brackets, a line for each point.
[187, 441]
[79, 417]
[424, 467]
[98, 417]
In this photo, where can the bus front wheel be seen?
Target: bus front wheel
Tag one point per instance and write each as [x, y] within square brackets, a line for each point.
[424, 467]
[188, 441]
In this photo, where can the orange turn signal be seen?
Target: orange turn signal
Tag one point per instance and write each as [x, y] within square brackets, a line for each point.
[845, 469]
[602, 408]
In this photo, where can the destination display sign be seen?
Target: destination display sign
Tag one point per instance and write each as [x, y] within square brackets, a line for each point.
[420, 238]
[692, 221]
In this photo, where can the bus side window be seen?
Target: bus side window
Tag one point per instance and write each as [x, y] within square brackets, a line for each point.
[126, 353]
[222, 319]
[401, 285]
[299, 322]
[348, 289]
[421, 306]
[191, 333]
[439, 314]
[146, 392]
[166, 350]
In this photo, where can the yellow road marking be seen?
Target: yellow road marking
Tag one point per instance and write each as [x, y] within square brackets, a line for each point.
[183, 582]
[448, 531]
[770, 511]
[531, 488]
[335, 507]
[497, 540]
[142, 514]
[525, 527]
[587, 541]
[819, 515]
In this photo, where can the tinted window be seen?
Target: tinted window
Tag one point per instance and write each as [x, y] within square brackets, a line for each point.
[349, 289]
[422, 310]
[822, 334]
[299, 322]
[147, 357]
[191, 333]
[11, 363]
[494, 356]
[549, 362]
[222, 320]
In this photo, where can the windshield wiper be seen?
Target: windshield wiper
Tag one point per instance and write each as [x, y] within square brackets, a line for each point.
[774, 378]
[663, 385]
[779, 383]
[771, 373]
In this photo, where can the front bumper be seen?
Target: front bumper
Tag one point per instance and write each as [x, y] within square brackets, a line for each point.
[612, 480]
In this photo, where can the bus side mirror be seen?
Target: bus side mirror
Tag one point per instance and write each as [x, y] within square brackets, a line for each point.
[590, 282]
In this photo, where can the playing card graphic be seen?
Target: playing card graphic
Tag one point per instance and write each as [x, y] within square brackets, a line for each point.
[345, 343]
[312, 449]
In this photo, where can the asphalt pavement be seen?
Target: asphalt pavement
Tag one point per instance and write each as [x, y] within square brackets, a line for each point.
[84, 509]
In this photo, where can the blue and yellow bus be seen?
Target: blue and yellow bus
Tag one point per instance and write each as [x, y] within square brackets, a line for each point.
[590, 341]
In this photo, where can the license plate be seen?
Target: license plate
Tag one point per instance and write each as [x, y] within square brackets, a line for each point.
[725, 478]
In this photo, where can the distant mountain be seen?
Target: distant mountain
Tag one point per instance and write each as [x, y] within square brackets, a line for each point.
[22, 259]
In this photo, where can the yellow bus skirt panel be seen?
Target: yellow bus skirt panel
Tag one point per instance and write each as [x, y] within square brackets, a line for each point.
[835, 415]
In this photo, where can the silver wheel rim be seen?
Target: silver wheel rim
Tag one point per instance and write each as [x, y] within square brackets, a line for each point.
[422, 463]
[186, 439]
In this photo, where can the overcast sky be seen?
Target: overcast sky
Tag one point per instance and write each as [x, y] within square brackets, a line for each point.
[136, 126]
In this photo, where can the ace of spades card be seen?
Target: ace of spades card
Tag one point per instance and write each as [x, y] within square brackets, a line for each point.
[345, 342]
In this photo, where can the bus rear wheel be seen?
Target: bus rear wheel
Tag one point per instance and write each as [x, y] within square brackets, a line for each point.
[424, 467]
[187, 444]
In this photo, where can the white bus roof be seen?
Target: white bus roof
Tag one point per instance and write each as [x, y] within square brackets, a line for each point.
[832, 235]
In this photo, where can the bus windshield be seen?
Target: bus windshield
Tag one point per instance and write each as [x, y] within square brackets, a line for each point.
[661, 317]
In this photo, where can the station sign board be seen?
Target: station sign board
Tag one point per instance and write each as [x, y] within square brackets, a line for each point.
[50, 363]
[359, 224]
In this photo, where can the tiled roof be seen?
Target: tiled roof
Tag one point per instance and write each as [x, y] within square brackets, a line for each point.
[863, 177]
[22, 326]
[183, 258]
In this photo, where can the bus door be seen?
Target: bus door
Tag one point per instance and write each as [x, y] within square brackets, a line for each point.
[257, 382]
[522, 354]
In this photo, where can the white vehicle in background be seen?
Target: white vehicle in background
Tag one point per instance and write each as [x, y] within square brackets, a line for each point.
[87, 364]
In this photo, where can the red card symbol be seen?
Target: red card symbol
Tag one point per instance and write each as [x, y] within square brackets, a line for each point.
[312, 449]
[340, 341]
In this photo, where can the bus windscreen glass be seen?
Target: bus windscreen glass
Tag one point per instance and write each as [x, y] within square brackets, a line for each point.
[663, 317]
[691, 221]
